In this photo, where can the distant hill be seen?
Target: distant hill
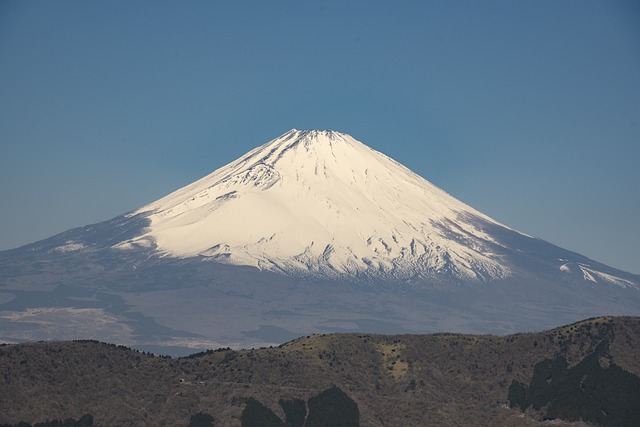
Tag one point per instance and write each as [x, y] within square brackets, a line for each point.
[587, 370]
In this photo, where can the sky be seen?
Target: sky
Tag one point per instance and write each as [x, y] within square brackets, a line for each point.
[528, 111]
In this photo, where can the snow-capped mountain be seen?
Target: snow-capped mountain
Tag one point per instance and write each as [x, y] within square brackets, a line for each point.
[310, 232]
[321, 202]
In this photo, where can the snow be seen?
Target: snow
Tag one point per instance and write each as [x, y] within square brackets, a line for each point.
[321, 202]
[69, 246]
[591, 274]
[596, 276]
[587, 275]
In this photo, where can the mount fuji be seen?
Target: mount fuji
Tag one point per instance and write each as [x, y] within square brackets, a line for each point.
[311, 232]
[316, 203]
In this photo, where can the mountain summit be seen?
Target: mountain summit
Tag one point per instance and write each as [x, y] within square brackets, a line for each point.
[322, 203]
[311, 232]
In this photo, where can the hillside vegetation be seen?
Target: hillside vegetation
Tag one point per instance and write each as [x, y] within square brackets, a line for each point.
[338, 379]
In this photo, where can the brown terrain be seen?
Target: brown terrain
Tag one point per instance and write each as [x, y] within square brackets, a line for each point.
[399, 380]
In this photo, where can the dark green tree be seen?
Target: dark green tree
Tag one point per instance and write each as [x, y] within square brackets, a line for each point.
[255, 414]
[201, 420]
[295, 412]
[333, 408]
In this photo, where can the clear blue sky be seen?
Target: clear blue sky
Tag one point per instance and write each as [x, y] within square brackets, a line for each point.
[528, 111]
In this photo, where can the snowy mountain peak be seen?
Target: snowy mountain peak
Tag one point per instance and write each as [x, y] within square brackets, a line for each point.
[308, 143]
[316, 202]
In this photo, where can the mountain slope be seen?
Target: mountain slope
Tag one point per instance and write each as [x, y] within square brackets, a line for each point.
[311, 232]
[322, 203]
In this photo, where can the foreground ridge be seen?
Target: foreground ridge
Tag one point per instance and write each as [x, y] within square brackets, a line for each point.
[439, 379]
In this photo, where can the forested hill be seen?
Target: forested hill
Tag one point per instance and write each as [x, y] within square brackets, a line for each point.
[584, 371]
